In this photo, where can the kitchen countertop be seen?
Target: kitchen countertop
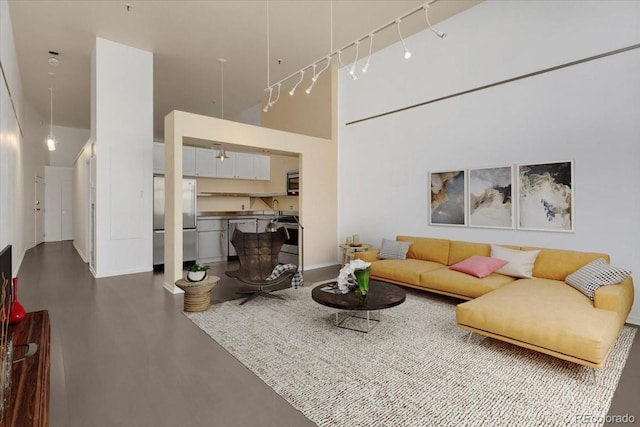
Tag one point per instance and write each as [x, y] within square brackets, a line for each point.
[243, 214]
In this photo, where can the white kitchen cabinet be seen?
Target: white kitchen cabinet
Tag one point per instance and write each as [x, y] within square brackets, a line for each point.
[158, 157]
[226, 168]
[236, 165]
[206, 162]
[212, 240]
[261, 167]
[243, 166]
[188, 161]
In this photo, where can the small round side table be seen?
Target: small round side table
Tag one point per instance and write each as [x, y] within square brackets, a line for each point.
[349, 251]
[197, 295]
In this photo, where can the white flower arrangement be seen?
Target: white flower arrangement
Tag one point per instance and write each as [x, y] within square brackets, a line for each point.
[347, 273]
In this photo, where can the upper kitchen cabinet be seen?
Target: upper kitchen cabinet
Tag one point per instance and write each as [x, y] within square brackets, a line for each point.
[244, 166]
[226, 168]
[206, 162]
[261, 167]
[158, 157]
[188, 159]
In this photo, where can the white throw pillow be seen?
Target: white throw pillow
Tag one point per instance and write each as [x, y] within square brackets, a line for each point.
[520, 262]
[393, 249]
[594, 275]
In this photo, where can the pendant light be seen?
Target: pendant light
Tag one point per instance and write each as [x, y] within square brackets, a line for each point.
[222, 155]
[51, 140]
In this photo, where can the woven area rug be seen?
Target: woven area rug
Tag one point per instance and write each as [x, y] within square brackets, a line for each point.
[415, 368]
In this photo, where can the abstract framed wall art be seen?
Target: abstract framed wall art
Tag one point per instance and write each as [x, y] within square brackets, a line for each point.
[447, 202]
[545, 196]
[490, 201]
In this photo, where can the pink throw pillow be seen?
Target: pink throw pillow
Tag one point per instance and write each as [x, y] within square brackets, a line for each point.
[479, 266]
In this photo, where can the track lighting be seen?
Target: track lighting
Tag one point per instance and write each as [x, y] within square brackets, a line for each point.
[426, 16]
[277, 97]
[366, 66]
[268, 105]
[407, 52]
[293, 89]
[351, 70]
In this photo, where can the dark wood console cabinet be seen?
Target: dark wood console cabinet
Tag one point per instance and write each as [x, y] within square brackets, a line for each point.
[29, 397]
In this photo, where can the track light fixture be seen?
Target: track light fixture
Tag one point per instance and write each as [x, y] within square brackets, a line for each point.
[268, 104]
[338, 53]
[352, 71]
[436, 32]
[407, 52]
[293, 89]
[366, 66]
[279, 85]
[313, 81]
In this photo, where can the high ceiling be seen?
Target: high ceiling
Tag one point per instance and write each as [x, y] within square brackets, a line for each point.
[187, 38]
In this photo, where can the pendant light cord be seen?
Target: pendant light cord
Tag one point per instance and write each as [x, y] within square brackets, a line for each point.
[51, 107]
[268, 49]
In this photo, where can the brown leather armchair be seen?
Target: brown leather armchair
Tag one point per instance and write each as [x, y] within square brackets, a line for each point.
[258, 256]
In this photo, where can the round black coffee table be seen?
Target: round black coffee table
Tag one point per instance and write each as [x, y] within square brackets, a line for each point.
[354, 306]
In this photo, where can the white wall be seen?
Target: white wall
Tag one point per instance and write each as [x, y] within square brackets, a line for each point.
[250, 116]
[122, 128]
[81, 201]
[34, 156]
[587, 113]
[11, 195]
[70, 142]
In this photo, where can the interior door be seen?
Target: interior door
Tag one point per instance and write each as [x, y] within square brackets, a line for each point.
[39, 210]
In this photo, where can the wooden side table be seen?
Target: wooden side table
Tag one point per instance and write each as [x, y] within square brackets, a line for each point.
[348, 251]
[28, 404]
[197, 295]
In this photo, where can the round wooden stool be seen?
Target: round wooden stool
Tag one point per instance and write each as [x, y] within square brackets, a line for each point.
[197, 295]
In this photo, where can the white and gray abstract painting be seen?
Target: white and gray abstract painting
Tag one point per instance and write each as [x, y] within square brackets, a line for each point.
[490, 197]
[545, 200]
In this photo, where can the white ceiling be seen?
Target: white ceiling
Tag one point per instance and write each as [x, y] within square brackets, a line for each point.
[187, 38]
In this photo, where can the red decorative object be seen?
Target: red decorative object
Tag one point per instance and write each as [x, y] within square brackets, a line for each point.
[17, 310]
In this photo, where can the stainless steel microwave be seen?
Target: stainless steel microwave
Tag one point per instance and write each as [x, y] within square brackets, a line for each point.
[293, 183]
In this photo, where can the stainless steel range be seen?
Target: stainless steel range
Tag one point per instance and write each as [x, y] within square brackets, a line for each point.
[289, 254]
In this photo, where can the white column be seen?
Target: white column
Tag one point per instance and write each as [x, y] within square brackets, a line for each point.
[122, 124]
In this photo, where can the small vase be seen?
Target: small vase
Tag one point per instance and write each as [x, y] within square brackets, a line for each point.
[196, 276]
[17, 310]
[362, 277]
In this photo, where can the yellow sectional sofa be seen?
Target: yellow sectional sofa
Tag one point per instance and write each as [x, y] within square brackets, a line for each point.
[542, 313]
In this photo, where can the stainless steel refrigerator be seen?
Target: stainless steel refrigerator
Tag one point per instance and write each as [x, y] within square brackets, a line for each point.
[189, 234]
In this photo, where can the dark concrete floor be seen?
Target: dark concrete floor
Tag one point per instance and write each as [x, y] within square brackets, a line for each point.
[122, 353]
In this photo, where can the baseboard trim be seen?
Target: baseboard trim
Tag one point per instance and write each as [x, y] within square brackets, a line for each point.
[121, 273]
[81, 253]
[323, 265]
[634, 320]
[173, 289]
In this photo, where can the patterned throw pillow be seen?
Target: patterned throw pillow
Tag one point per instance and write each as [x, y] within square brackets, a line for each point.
[594, 275]
[392, 249]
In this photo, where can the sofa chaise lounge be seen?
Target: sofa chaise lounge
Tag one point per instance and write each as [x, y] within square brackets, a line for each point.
[541, 313]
